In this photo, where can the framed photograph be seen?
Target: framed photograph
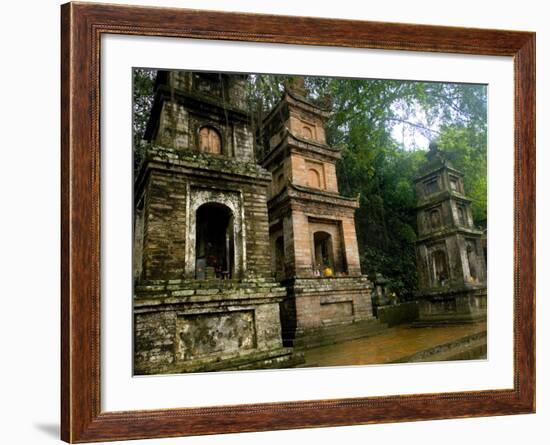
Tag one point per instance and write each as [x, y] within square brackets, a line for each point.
[275, 222]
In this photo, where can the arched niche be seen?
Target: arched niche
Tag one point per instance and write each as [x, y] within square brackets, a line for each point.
[210, 140]
[323, 251]
[435, 218]
[462, 218]
[313, 178]
[306, 132]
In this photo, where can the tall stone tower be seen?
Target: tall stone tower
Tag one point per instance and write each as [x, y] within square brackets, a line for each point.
[312, 227]
[204, 295]
[450, 257]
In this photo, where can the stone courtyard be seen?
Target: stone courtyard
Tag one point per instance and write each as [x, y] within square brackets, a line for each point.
[246, 255]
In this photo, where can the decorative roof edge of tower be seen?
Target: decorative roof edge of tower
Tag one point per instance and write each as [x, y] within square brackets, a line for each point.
[427, 171]
[442, 196]
[297, 192]
[446, 232]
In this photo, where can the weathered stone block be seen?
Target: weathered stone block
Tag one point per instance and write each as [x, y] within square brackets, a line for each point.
[212, 333]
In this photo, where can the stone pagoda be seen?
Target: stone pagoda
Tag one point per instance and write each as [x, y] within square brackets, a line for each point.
[205, 298]
[452, 278]
[312, 228]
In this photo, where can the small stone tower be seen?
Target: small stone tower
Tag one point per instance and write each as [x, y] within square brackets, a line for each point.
[205, 298]
[312, 227]
[450, 257]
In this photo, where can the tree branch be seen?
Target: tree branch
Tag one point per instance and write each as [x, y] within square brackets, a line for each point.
[412, 124]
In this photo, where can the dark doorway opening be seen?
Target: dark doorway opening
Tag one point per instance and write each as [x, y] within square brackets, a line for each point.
[215, 246]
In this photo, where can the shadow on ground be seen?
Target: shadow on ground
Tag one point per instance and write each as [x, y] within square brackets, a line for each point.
[49, 429]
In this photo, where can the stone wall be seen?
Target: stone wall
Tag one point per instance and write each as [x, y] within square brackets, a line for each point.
[154, 340]
[281, 175]
[302, 258]
[137, 257]
[258, 254]
[350, 245]
[164, 226]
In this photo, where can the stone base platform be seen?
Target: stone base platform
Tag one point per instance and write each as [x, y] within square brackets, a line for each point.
[467, 304]
[329, 335]
[211, 325]
[400, 313]
[320, 311]
[469, 347]
[271, 359]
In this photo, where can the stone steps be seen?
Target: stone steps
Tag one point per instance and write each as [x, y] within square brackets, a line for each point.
[272, 359]
[470, 347]
[328, 335]
[442, 321]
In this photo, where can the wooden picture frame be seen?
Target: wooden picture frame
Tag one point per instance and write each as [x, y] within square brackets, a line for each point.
[82, 26]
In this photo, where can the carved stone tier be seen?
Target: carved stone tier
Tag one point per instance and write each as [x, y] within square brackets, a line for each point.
[190, 326]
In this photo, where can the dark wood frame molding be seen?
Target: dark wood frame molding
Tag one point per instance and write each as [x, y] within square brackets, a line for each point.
[82, 25]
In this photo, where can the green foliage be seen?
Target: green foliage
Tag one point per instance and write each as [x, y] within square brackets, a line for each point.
[143, 85]
[466, 148]
[367, 117]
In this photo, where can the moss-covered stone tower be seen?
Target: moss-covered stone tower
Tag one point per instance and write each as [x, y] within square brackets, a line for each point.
[451, 264]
